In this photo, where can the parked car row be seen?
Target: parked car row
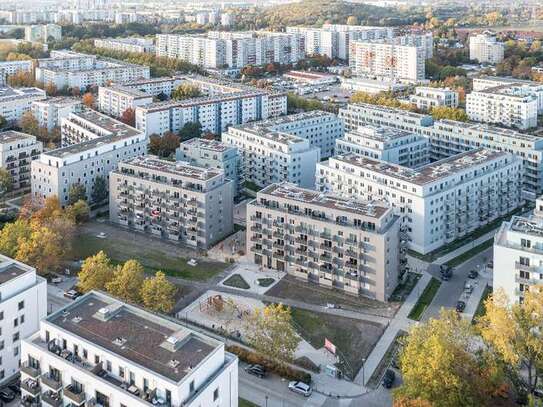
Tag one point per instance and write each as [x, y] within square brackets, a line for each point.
[295, 386]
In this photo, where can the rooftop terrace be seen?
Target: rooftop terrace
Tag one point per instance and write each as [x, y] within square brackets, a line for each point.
[180, 168]
[11, 136]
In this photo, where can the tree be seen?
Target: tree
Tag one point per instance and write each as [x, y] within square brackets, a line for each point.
[352, 20]
[44, 249]
[88, 99]
[190, 130]
[127, 282]
[29, 124]
[3, 122]
[449, 113]
[76, 192]
[271, 332]
[96, 272]
[186, 91]
[13, 233]
[129, 117]
[79, 212]
[515, 332]
[99, 190]
[158, 294]
[6, 181]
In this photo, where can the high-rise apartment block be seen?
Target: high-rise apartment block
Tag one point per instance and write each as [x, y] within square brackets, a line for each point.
[133, 45]
[114, 100]
[338, 243]
[425, 98]
[43, 33]
[8, 68]
[439, 202]
[14, 102]
[485, 49]
[176, 201]
[17, 150]
[50, 111]
[483, 83]
[98, 351]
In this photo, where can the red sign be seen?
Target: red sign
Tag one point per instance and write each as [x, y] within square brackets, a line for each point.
[329, 346]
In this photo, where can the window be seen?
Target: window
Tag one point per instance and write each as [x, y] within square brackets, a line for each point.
[21, 305]
[121, 372]
[108, 365]
[216, 394]
[15, 336]
[22, 319]
[191, 387]
[16, 351]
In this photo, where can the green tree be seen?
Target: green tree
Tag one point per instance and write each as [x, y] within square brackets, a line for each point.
[76, 192]
[99, 190]
[6, 181]
[352, 20]
[158, 294]
[190, 130]
[186, 91]
[127, 282]
[449, 113]
[79, 212]
[270, 332]
[3, 122]
[29, 124]
[44, 249]
[13, 233]
[96, 272]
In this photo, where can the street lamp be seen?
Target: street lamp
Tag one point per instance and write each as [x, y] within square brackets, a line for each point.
[363, 376]
[266, 400]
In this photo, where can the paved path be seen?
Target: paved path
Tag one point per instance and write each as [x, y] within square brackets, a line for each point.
[461, 250]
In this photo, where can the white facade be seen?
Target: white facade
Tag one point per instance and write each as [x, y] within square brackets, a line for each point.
[386, 144]
[528, 87]
[373, 86]
[439, 202]
[518, 255]
[426, 98]
[93, 146]
[114, 100]
[8, 68]
[23, 303]
[43, 33]
[14, 102]
[17, 150]
[134, 45]
[123, 356]
[484, 48]
[49, 112]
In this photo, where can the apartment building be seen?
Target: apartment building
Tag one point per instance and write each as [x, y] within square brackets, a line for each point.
[50, 111]
[448, 137]
[373, 86]
[425, 98]
[131, 44]
[23, 303]
[93, 145]
[8, 68]
[506, 105]
[176, 201]
[386, 144]
[98, 351]
[212, 154]
[528, 87]
[14, 102]
[424, 40]
[388, 59]
[439, 202]
[157, 86]
[114, 100]
[17, 150]
[518, 254]
[43, 33]
[333, 40]
[66, 69]
[484, 48]
[269, 156]
[350, 245]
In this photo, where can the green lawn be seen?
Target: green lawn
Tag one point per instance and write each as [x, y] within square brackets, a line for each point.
[237, 281]
[265, 282]
[470, 253]
[152, 260]
[425, 299]
[245, 403]
[403, 289]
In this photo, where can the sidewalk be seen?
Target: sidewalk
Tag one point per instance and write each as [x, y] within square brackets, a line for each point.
[461, 250]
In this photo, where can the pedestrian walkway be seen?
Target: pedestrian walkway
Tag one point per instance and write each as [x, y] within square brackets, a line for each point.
[463, 249]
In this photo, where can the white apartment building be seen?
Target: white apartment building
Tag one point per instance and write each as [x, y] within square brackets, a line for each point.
[386, 144]
[175, 201]
[43, 33]
[79, 71]
[8, 68]
[350, 245]
[50, 111]
[333, 40]
[484, 48]
[424, 40]
[14, 102]
[99, 351]
[373, 86]
[388, 59]
[93, 146]
[528, 87]
[518, 254]
[448, 137]
[114, 100]
[425, 98]
[212, 154]
[17, 150]
[506, 105]
[134, 45]
[23, 303]
[157, 86]
[270, 156]
[439, 202]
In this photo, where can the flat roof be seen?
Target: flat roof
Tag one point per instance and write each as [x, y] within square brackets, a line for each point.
[293, 118]
[61, 101]
[211, 145]
[491, 130]
[128, 90]
[14, 93]
[179, 168]
[10, 272]
[427, 173]
[272, 135]
[379, 133]
[528, 226]
[508, 79]
[10, 136]
[150, 341]
[328, 201]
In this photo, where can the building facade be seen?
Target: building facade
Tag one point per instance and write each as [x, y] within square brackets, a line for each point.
[8, 68]
[337, 243]
[43, 33]
[425, 98]
[439, 202]
[114, 100]
[23, 303]
[133, 45]
[529, 87]
[176, 201]
[15, 102]
[17, 150]
[49, 112]
[100, 351]
[484, 48]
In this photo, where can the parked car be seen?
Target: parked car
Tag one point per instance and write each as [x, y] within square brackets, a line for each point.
[468, 288]
[15, 387]
[256, 370]
[473, 274]
[72, 294]
[388, 378]
[460, 306]
[7, 395]
[490, 264]
[446, 272]
[57, 280]
[300, 388]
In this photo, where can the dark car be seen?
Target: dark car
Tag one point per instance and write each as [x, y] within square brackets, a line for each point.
[256, 370]
[460, 306]
[388, 378]
[15, 387]
[7, 395]
[473, 274]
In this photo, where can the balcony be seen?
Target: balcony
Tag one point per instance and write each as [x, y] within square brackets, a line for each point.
[29, 401]
[77, 397]
[50, 381]
[31, 386]
[52, 399]
[27, 369]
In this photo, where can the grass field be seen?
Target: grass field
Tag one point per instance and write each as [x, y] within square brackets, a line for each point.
[237, 281]
[246, 403]
[151, 258]
[425, 299]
